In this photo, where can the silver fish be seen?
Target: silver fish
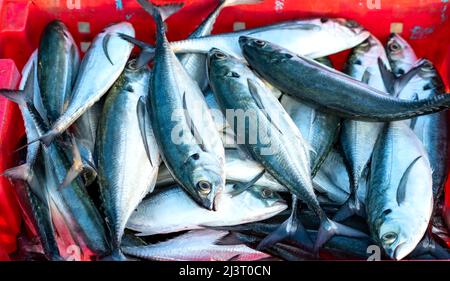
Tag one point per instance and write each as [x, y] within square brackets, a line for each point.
[105, 60]
[305, 37]
[172, 210]
[329, 89]
[196, 245]
[400, 195]
[194, 154]
[128, 157]
[358, 138]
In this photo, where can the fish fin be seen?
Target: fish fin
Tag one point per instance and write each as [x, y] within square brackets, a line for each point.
[47, 138]
[401, 190]
[75, 169]
[353, 206]
[329, 228]
[229, 239]
[145, 128]
[147, 51]
[229, 3]
[254, 92]
[429, 246]
[292, 229]
[403, 80]
[241, 187]
[105, 47]
[22, 172]
[234, 258]
[163, 11]
[366, 77]
[387, 76]
[14, 96]
[191, 124]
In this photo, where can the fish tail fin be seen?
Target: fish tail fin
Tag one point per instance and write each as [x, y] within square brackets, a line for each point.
[160, 12]
[229, 3]
[429, 246]
[14, 96]
[353, 206]
[329, 228]
[22, 172]
[292, 228]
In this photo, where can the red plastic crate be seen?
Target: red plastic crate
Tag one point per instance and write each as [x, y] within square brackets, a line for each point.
[425, 24]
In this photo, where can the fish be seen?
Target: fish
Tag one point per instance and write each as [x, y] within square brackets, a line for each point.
[194, 154]
[332, 91]
[320, 130]
[310, 38]
[280, 146]
[172, 210]
[399, 199]
[195, 245]
[358, 138]
[58, 62]
[400, 54]
[128, 157]
[105, 59]
[431, 129]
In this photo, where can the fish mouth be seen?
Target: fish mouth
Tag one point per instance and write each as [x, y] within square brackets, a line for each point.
[243, 40]
[399, 252]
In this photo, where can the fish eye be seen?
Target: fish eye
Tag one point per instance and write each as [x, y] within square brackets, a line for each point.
[132, 64]
[394, 47]
[204, 187]
[260, 43]
[233, 74]
[219, 55]
[323, 20]
[266, 193]
[389, 238]
[195, 156]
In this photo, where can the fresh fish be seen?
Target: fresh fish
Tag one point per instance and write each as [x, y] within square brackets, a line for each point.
[310, 38]
[431, 129]
[58, 61]
[193, 153]
[128, 157]
[400, 196]
[400, 54]
[320, 130]
[172, 210]
[332, 91]
[105, 60]
[358, 138]
[280, 147]
[196, 245]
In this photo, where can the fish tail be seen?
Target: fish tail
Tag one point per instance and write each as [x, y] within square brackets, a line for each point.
[116, 255]
[229, 3]
[329, 228]
[162, 12]
[22, 172]
[147, 51]
[352, 206]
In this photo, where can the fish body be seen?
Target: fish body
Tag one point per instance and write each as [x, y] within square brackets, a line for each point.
[58, 61]
[332, 91]
[105, 60]
[199, 245]
[193, 154]
[126, 171]
[172, 210]
[400, 197]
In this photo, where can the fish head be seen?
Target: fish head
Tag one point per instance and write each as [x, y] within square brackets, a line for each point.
[263, 54]
[224, 67]
[254, 204]
[396, 234]
[401, 55]
[206, 180]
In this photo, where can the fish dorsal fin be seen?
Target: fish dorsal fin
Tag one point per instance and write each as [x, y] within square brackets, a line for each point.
[146, 131]
[253, 88]
[402, 186]
[387, 76]
[192, 126]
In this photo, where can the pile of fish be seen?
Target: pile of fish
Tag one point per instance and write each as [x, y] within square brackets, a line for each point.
[246, 145]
